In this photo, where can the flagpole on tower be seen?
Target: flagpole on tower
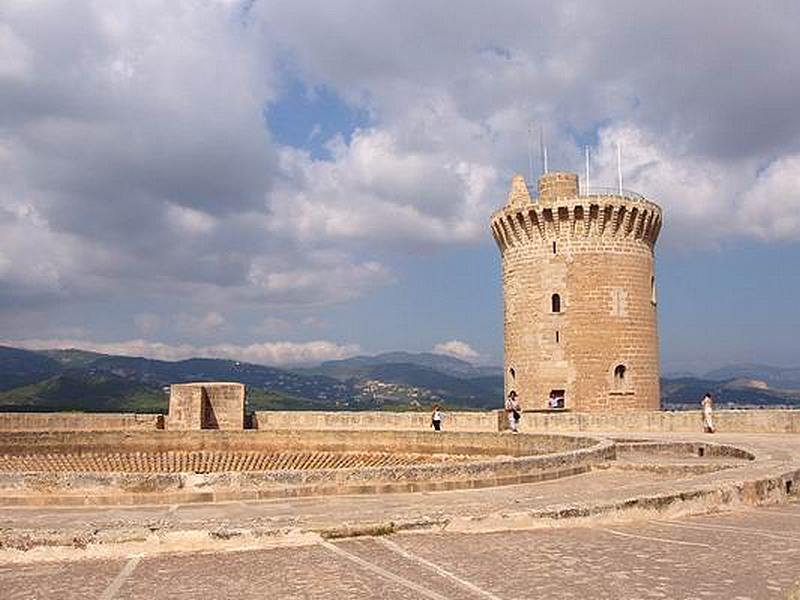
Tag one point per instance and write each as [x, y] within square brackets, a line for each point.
[543, 150]
[530, 151]
[586, 176]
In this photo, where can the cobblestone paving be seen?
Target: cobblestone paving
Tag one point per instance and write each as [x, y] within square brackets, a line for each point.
[748, 554]
[85, 579]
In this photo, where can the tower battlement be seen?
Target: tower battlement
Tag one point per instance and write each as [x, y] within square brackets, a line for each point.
[579, 294]
[601, 216]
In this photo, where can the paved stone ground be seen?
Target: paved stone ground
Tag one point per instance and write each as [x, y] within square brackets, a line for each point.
[747, 554]
[461, 509]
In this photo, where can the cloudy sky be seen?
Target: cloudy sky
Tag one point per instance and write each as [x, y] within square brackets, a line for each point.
[285, 182]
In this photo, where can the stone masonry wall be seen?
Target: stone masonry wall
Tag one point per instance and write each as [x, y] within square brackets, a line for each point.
[224, 408]
[683, 421]
[206, 406]
[410, 421]
[185, 407]
[79, 421]
[596, 253]
[742, 421]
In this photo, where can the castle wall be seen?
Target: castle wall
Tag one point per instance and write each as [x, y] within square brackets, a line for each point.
[596, 253]
[679, 421]
[359, 421]
[15, 421]
[744, 421]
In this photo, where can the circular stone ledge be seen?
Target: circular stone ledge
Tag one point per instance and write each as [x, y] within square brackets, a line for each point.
[415, 461]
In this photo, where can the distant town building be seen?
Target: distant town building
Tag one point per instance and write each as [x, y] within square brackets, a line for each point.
[579, 291]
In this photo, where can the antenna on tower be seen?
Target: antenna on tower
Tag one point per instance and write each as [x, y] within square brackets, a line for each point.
[619, 167]
[586, 176]
[542, 150]
[530, 150]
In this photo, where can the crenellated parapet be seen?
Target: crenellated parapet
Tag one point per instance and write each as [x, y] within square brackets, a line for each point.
[564, 213]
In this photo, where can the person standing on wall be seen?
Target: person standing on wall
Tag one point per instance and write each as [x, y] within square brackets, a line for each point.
[514, 411]
[707, 404]
[436, 418]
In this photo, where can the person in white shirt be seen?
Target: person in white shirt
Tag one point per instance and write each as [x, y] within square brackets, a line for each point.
[436, 418]
[707, 403]
[514, 411]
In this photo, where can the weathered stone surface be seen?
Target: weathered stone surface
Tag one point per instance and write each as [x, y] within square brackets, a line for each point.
[595, 252]
[62, 421]
[109, 468]
[206, 406]
[748, 554]
[376, 420]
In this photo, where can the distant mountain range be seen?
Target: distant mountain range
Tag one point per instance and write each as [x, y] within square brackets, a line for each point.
[55, 380]
[449, 365]
[775, 377]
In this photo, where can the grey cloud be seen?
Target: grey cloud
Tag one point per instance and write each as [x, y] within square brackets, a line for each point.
[136, 135]
[135, 162]
[728, 73]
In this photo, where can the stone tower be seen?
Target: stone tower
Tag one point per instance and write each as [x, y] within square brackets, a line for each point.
[579, 292]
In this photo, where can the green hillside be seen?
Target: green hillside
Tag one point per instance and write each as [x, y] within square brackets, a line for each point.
[55, 380]
[76, 390]
[22, 367]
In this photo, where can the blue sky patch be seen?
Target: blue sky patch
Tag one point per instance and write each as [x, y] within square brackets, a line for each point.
[308, 117]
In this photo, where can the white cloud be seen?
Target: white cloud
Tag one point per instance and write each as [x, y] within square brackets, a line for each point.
[14, 54]
[459, 101]
[266, 353]
[770, 209]
[147, 323]
[377, 189]
[189, 220]
[203, 325]
[281, 326]
[705, 200]
[458, 349]
[329, 279]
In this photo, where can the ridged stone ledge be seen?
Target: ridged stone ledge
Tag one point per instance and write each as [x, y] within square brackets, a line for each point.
[211, 461]
[72, 468]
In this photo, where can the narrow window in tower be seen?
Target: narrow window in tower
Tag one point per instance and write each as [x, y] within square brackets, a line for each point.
[554, 247]
[653, 289]
[619, 377]
[558, 338]
[555, 302]
[512, 373]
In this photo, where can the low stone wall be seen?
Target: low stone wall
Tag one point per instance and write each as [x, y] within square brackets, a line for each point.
[470, 443]
[374, 420]
[750, 421]
[12, 421]
[689, 421]
[739, 421]
[500, 459]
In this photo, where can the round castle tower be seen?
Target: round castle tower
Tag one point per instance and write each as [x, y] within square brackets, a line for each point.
[580, 296]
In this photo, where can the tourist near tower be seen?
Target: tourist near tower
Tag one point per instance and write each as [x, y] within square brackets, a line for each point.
[579, 293]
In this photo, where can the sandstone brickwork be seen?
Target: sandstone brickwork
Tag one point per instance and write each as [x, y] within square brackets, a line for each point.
[206, 406]
[579, 295]
[11, 421]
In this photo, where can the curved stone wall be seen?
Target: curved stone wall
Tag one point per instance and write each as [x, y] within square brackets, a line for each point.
[148, 467]
[211, 461]
[579, 296]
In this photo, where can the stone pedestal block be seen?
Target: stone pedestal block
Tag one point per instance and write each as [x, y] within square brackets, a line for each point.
[206, 406]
